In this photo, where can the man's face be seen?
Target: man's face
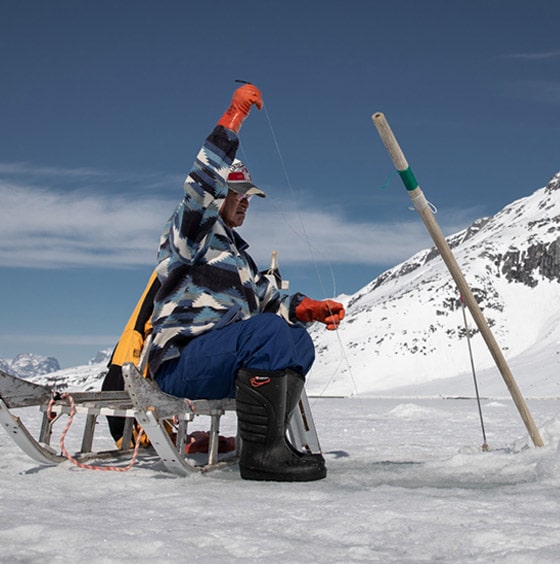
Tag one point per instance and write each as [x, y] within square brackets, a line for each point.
[234, 209]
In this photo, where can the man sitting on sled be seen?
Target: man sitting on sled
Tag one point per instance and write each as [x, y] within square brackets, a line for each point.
[222, 329]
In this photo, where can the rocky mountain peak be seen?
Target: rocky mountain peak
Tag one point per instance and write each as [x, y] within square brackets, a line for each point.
[407, 322]
[26, 365]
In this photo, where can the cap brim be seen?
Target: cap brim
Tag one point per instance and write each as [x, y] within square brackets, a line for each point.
[246, 188]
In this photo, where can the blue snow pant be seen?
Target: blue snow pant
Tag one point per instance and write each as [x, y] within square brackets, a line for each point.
[207, 366]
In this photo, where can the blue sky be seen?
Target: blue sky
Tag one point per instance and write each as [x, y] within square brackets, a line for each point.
[104, 105]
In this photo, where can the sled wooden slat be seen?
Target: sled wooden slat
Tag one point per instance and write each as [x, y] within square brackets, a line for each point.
[141, 401]
[20, 393]
[154, 407]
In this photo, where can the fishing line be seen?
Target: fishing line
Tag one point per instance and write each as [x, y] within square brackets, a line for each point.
[431, 205]
[485, 443]
[313, 257]
[308, 243]
[304, 233]
[389, 180]
[289, 224]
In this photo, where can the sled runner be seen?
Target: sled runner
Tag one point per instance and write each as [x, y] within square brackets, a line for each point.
[140, 402]
[16, 393]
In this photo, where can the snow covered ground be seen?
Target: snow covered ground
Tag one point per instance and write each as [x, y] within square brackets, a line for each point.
[407, 482]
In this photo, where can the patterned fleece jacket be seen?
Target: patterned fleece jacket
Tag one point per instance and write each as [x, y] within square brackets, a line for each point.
[208, 280]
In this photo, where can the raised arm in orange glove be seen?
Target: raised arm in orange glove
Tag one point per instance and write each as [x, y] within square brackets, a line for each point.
[241, 102]
[329, 312]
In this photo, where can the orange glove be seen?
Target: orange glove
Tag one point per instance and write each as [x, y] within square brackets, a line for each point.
[241, 102]
[329, 312]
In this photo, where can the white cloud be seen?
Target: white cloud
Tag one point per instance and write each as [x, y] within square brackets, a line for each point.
[47, 228]
[43, 228]
[58, 340]
[84, 176]
[322, 236]
[534, 56]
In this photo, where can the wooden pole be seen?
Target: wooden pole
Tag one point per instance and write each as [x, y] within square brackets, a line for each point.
[423, 208]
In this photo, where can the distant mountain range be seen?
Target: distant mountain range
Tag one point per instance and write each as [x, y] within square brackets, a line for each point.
[27, 365]
[405, 333]
[46, 370]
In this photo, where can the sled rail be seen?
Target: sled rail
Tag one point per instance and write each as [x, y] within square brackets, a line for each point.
[143, 402]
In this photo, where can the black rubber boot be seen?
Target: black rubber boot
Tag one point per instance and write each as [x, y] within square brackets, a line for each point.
[261, 416]
[295, 383]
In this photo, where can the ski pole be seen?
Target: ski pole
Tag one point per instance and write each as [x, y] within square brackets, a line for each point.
[423, 208]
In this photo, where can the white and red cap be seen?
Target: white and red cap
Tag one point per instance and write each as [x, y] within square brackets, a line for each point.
[239, 180]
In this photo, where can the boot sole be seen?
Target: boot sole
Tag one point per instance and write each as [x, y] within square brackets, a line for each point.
[266, 476]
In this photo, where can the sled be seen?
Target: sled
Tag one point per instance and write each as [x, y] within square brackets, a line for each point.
[163, 418]
[142, 402]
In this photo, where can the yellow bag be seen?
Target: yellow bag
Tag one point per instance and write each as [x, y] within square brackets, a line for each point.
[129, 349]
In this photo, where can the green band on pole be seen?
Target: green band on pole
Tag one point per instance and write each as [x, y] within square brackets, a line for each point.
[408, 178]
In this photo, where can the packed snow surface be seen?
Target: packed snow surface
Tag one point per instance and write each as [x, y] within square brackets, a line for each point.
[407, 481]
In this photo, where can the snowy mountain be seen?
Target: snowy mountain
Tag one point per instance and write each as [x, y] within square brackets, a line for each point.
[26, 365]
[80, 378]
[406, 330]
[405, 333]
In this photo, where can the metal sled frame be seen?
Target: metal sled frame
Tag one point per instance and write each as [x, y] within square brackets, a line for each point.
[141, 401]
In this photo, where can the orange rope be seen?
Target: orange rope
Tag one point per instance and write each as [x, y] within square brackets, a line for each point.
[78, 463]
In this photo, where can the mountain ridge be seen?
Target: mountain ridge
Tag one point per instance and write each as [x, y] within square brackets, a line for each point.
[27, 365]
[406, 327]
[404, 332]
